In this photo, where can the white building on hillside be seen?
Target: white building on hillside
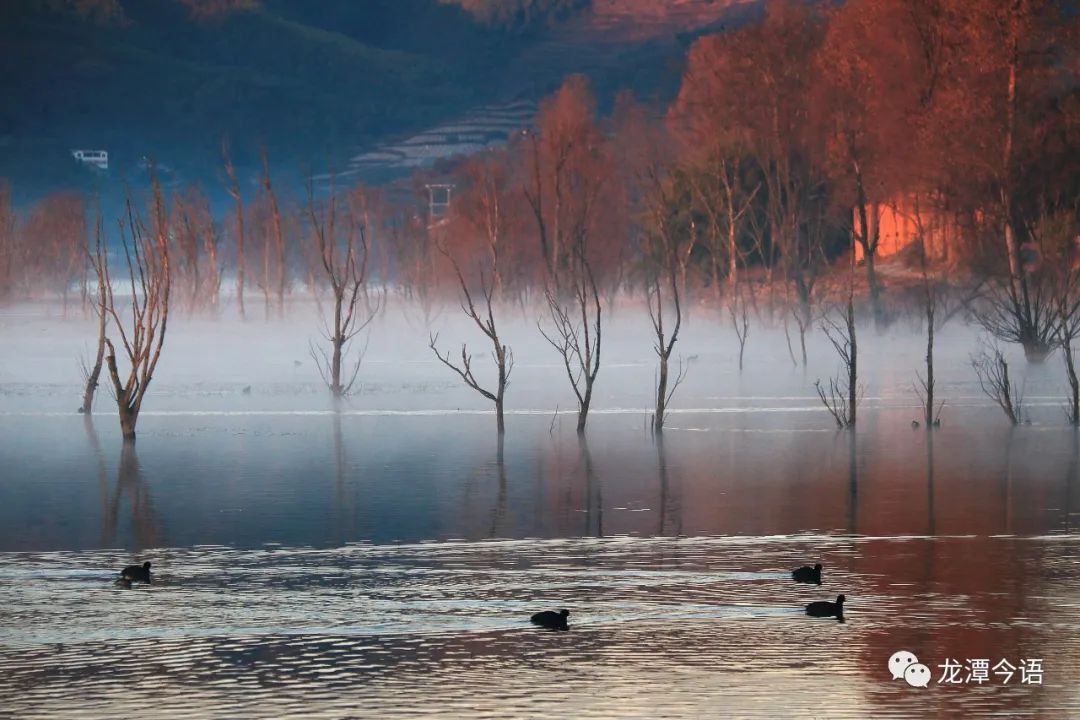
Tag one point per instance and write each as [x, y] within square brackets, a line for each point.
[95, 158]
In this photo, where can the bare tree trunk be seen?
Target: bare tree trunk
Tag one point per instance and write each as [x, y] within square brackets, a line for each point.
[1035, 346]
[867, 237]
[928, 415]
[1074, 383]
[150, 282]
[504, 356]
[842, 402]
[344, 265]
[993, 373]
[741, 322]
[95, 372]
[664, 347]
[578, 340]
[241, 264]
[97, 260]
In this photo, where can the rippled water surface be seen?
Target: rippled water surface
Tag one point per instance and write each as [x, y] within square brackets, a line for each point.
[353, 565]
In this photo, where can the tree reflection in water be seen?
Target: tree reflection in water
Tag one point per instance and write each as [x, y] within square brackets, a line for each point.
[130, 484]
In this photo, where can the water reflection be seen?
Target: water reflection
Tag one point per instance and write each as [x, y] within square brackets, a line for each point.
[594, 491]
[1071, 474]
[305, 482]
[853, 479]
[498, 512]
[670, 512]
[442, 629]
[931, 524]
[131, 486]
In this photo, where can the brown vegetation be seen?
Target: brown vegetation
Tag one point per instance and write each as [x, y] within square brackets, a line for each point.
[791, 143]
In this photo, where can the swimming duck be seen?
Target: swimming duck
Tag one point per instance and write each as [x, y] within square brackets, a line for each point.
[824, 608]
[914, 424]
[136, 573]
[551, 620]
[807, 574]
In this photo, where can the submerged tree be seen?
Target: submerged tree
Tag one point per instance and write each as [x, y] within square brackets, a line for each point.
[97, 259]
[575, 333]
[740, 321]
[842, 398]
[993, 372]
[664, 282]
[485, 320]
[568, 167]
[342, 255]
[665, 345]
[142, 336]
[1058, 236]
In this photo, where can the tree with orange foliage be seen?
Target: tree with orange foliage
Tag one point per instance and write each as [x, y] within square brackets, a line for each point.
[1009, 63]
[568, 166]
[863, 97]
[195, 266]
[54, 242]
[753, 89]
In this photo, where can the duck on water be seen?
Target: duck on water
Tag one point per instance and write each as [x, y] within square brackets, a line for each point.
[134, 573]
[551, 620]
[807, 574]
[824, 608]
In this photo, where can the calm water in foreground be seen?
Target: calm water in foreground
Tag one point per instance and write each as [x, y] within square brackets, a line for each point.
[374, 565]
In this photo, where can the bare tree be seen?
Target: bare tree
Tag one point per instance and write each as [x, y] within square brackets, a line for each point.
[1068, 316]
[1025, 318]
[485, 320]
[98, 262]
[993, 372]
[925, 386]
[740, 320]
[195, 265]
[1058, 235]
[275, 245]
[238, 202]
[149, 276]
[664, 346]
[719, 192]
[342, 254]
[668, 241]
[841, 399]
[575, 332]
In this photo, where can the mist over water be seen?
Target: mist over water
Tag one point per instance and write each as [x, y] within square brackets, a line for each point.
[380, 558]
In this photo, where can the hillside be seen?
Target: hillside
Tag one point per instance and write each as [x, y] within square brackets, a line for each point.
[303, 78]
[314, 81]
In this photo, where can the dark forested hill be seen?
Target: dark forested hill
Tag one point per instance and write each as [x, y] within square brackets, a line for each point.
[312, 81]
[302, 76]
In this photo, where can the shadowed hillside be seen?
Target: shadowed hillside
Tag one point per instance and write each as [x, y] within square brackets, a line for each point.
[371, 87]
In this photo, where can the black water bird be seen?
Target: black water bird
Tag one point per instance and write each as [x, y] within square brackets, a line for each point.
[247, 390]
[551, 620]
[807, 574]
[824, 608]
[136, 573]
[914, 424]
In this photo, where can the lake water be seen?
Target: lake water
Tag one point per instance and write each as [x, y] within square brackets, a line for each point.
[380, 563]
